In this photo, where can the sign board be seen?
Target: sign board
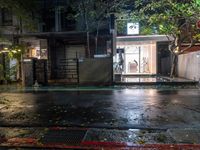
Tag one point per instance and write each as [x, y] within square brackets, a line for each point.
[132, 28]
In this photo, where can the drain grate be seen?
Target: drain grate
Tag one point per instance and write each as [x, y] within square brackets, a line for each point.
[66, 136]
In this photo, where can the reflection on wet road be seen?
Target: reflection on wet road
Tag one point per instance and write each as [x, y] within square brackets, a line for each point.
[126, 108]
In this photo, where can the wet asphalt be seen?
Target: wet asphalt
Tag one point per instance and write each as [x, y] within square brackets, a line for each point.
[120, 109]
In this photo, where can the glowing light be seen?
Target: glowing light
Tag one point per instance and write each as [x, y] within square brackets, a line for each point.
[5, 48]
[152, 92]
[4, 51]
[176, 51]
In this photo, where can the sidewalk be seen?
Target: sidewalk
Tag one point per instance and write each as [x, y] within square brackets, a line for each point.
[132, 80]
[82, 138]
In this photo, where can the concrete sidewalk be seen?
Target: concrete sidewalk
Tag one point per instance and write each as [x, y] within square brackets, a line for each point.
[153, 80]
[82, 138]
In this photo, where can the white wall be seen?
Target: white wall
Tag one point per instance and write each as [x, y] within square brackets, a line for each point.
[189, 65]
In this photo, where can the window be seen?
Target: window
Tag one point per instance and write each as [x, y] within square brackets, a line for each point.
[6, 17]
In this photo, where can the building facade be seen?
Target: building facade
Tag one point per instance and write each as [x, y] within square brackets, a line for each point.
[63, 42]
[61, 51]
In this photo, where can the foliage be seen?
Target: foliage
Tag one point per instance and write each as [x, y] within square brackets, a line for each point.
[93, 13]
[11, 73]
[13, 52]
[174, 18]
[8, 72]
[123, 17]
[170, 17]
[198, 2]
[23, 10]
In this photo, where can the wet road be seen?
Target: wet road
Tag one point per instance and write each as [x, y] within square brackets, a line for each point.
[126, 108]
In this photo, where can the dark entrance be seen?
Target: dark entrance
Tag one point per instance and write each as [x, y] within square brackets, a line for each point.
[64, 61]
[163, 59]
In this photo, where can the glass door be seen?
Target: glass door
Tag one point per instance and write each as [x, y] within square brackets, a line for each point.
[132, 60]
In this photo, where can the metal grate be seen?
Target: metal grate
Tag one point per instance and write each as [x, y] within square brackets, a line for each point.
[68, 69]
[66, 136]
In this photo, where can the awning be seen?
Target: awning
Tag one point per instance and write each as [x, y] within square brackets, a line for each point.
[157, 38]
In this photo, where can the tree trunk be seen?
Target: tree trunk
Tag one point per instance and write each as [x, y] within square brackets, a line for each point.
[88, 36]
[4, 65]
[87, 27]
[19, 73]
[173, 72]
[96, 39]
[88, 44]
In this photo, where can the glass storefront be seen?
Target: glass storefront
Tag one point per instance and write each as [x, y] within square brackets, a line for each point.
[135, 58]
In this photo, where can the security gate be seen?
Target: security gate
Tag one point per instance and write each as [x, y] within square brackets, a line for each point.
[68, 70]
